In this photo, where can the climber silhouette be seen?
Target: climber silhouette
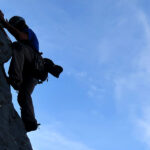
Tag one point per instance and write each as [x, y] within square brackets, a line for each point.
[27, 66]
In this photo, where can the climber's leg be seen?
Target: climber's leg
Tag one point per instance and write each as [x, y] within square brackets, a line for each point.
[25, 102]
[21, 54]
[16, 65]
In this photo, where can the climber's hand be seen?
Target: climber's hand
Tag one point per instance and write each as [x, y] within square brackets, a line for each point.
[2, 19]
[1, 16]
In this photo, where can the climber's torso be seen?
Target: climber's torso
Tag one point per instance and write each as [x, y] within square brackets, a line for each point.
[32, 39]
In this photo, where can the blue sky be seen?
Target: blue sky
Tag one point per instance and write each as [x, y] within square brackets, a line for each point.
[101, 101]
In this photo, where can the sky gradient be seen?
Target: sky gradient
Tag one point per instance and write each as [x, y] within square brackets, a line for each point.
[101, 101]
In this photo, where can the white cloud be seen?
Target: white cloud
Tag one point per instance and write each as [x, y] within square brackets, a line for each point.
[136, 80]
[104, 51]
[80, 75]
[143, 126]
[144, 62]
[49, 138]
[132, 88]
[95, 91]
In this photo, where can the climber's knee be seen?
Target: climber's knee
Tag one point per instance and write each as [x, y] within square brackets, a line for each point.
[17, 46]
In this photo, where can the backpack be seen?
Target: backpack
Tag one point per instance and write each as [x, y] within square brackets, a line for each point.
[39, 71]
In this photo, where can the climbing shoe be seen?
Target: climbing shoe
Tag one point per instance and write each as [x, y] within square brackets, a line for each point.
[31, 126]
[53, 69]
[57, 70]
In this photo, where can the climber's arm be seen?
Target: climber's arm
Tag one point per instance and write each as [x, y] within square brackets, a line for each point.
[15, 32]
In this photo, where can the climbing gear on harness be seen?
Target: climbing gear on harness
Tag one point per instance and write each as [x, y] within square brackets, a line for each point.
[39, 71]
[43, 66]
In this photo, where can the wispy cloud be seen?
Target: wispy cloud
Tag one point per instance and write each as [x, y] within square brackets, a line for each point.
[132, 88]
[144, 62]
[49, 138]
[143, 126]
[143, 121]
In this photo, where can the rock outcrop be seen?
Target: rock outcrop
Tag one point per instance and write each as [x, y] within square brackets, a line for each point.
[12, 132]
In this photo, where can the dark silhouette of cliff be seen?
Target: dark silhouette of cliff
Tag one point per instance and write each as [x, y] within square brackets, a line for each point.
[12, 132]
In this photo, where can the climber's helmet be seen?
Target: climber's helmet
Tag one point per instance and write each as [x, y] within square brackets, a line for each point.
[18, 22]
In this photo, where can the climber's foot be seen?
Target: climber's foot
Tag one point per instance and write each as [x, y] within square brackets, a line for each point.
[31, 126]
[14, 83]
[53, 69]
[57, 71]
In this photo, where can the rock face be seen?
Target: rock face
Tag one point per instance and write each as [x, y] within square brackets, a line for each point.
[12, 133]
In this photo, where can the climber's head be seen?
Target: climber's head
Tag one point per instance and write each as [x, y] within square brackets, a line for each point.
[18, 22]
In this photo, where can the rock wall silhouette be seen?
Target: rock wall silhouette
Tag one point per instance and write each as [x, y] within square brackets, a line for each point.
[12, 132]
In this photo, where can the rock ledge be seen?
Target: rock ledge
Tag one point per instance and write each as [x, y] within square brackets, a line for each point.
[12, 132]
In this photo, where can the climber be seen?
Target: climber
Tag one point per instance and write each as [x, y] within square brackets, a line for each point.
[21, 75]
